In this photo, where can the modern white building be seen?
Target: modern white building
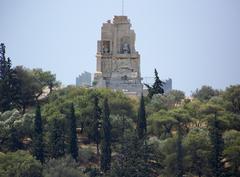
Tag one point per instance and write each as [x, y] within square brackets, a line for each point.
[84, 80]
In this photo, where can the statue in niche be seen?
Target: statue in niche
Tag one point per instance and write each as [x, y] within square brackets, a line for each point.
[125, 77]
[125, 45]
[105, 49]
[125, 48]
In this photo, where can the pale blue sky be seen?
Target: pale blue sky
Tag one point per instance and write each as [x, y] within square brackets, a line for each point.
[194, 42]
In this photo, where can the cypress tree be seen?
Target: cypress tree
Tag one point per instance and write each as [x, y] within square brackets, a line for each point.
[182, 118]
[179, 153]
[73, 134]
[14, 140]
[96, 123]
[106, 139]
[38, 146]
[141, 122]
[57, 139]
[158, 84]
[217, 147]
[157, 87]
[8, 82]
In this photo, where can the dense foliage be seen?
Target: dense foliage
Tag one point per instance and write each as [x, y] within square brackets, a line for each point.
[19, 164]
[62, 167]
[161, 135]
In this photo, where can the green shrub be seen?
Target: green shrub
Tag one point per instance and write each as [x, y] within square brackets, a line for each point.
[19, 164]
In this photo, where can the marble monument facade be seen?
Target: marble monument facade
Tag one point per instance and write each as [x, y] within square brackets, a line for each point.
[118, 62]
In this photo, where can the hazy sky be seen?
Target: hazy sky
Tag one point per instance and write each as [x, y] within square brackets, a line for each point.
[194, 42]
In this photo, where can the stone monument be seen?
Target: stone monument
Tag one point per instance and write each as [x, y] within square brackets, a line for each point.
[118, 63]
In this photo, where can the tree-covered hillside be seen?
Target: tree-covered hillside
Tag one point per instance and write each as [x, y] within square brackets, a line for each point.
[52, 131]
